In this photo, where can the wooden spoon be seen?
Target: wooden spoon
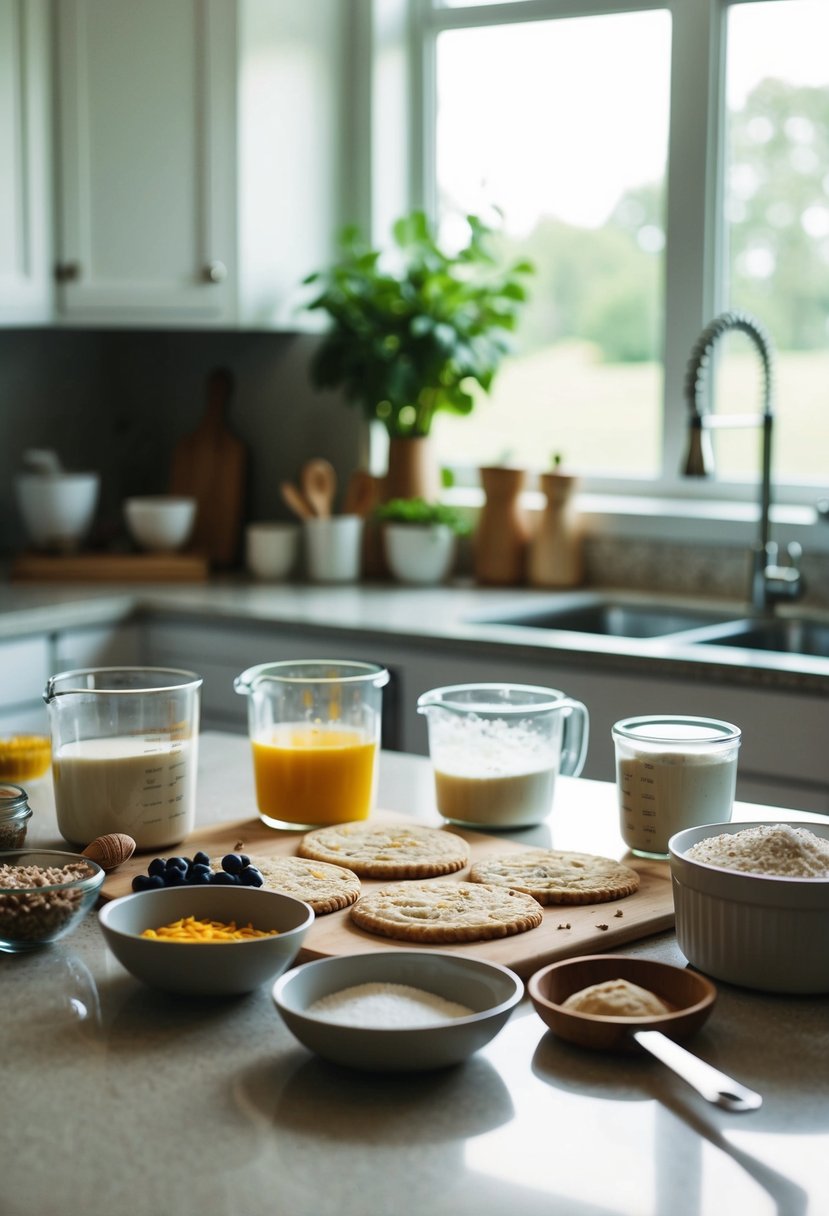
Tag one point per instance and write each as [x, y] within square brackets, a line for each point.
[294, 499]
[319, 485]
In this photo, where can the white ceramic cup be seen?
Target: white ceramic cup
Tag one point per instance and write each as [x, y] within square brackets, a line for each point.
[271, 549]
[334, 548]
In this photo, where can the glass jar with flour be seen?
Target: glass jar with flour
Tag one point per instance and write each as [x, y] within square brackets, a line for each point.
[672, 772]
[124, 753]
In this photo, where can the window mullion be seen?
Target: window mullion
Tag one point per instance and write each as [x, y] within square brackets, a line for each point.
[694, 227]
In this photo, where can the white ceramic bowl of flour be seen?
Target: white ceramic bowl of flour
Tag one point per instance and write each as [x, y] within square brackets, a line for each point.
[397, 1010]
[759, 931]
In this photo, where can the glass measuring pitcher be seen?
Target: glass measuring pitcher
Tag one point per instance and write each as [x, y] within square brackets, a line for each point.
[496, 750]
[124, 752]
[314, 726]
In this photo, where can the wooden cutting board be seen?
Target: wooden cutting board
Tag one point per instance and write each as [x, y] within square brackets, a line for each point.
[592, 928]
[110, 568]
[209, 465]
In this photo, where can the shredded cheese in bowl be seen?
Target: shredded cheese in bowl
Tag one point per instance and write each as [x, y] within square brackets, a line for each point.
[189, 929]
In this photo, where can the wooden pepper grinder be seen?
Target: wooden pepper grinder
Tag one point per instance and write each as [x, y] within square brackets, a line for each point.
[500, 546]
[556, 557]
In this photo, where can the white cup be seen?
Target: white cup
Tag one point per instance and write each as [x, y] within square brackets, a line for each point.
[57, 509]
[672, 773]
[271, 549]
[334, 548]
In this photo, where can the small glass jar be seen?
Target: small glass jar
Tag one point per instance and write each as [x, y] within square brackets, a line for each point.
[15, 814]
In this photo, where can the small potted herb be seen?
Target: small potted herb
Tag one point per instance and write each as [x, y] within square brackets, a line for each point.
[420, 538]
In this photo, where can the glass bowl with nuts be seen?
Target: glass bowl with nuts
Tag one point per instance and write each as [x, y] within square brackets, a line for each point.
[44, 894]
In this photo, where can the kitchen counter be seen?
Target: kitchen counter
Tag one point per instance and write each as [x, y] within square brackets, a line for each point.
[448, 617]
[117, 1098]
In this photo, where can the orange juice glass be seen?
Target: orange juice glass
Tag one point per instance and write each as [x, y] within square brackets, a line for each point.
[314, 727]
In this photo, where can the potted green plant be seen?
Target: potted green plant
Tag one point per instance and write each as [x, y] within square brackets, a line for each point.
[414, 330]
[419, 538]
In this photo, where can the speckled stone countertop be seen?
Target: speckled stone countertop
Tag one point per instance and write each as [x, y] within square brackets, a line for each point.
[455, 617]
[117, 1098]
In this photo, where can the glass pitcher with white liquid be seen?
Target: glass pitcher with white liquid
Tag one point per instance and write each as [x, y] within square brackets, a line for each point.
[124, 753]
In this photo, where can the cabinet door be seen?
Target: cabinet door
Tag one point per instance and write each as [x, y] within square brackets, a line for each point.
[146, 130]
[25, 283]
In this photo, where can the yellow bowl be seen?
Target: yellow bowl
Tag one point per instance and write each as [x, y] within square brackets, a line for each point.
[24, 757]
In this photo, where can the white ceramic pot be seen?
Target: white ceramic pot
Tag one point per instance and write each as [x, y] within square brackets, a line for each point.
[419, 553]
[57, 508]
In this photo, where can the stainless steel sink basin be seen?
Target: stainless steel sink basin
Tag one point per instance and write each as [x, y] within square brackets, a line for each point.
[780, 636]
[615, 620]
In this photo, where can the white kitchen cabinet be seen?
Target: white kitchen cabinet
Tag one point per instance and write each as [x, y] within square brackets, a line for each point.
[783, 758]
[25, 181]
[97, 646]
[220, 652]
[202, 149]
[146, 129]
[24, 670]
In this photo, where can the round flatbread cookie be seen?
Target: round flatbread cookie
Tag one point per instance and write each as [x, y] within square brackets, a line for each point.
[445, 912]
[554, 877]
[325, 887]
[387, 852]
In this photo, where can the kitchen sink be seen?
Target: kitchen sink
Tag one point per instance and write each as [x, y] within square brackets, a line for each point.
[615, 620]
[781, 636]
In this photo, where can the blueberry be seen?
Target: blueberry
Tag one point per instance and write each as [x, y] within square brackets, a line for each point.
[142, 882]
[232, 863]
[157, 866]
[199, 872]
[245, 860]
[175, 878]
[155, 882]
[201, 859]
[223, 879]
[176, 863]
[249, 876]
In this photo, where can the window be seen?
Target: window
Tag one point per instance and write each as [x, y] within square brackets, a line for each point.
[659, 162]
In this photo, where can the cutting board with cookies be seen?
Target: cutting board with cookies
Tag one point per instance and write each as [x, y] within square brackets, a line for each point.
[390, 884]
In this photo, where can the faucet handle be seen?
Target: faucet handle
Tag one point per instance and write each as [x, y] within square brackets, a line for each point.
[795, 552]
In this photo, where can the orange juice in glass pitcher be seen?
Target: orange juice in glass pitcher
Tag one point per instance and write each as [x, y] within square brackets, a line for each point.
[314, 726]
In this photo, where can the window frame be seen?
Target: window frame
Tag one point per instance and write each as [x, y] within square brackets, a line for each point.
[695, 225]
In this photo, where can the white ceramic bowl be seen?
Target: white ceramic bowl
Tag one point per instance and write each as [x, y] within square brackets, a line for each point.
[57, 508]
[201, 968]
[756, 931]
[160, 523]
[491, 990]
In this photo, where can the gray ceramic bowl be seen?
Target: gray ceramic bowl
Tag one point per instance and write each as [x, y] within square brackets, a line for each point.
[489, 989]
[38, 915]
[199, 968]
[753, 930]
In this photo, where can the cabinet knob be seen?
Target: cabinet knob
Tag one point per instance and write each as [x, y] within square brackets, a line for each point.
[68, 272]
[215, 272]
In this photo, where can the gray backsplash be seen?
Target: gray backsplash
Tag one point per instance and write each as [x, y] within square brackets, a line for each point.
[119, 400]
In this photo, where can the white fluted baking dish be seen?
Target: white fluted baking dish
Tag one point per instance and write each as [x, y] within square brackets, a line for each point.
[757, 931]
